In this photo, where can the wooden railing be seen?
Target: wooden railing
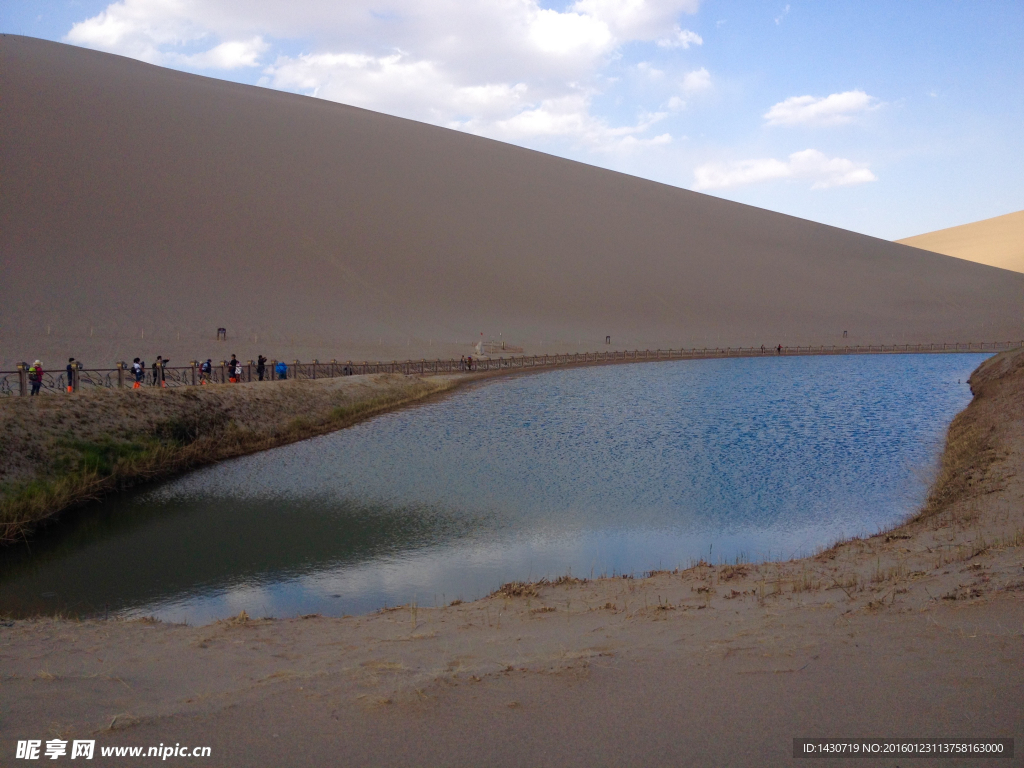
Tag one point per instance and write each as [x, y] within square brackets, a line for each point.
[18, 382]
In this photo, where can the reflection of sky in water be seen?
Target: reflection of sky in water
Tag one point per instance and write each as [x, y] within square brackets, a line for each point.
[595, 470]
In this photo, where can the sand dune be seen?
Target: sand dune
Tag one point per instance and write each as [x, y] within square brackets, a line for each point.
[998, 242]
[141, 208]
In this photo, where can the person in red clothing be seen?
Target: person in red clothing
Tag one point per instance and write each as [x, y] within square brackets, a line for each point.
[35, 376]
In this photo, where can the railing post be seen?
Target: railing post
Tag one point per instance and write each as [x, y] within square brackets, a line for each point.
[295, 370]
[195, 377]
[223, 371]
[22, 379]
[315, 361]
[120, 375]
[248, 371]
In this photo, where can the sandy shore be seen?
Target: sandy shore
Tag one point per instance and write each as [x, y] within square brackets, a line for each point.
[918, 631]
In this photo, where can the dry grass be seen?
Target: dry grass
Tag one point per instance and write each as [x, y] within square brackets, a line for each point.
[970, 449]
[532, 588]
[965, 461]
[66, 451]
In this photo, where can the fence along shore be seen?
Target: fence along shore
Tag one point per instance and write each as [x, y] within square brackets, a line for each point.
[15, 383]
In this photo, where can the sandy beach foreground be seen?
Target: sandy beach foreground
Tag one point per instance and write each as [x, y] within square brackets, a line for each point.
[918, 631]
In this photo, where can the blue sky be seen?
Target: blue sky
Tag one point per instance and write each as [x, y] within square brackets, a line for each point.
[889, 118]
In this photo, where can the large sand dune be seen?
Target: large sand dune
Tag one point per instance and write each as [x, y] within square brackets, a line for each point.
[141, 208]
[998, 242]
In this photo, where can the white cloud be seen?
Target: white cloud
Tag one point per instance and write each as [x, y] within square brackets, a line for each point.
[422, 88]
[569, 117]
[810, 165]
[681, 38]
[501, 68]
[648, 69]
[781, 16]
[636, 19]
[698, 80]
[229, 55]
[567, 34]
[836, 109]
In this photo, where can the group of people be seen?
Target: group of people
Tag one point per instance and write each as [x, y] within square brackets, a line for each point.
[139, 372]
[157, 372]
[35, 375]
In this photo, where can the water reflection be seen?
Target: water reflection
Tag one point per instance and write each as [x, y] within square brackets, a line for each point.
[600, 470]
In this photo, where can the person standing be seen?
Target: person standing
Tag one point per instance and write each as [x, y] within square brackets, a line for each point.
[261, 366]
[71, 374]
[139, 372]
[157, 371]
[232, 367]
[35, 376]
[205, 370]
[282, 370]
[778, 350]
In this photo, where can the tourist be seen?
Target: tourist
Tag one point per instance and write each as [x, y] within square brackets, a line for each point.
[462, 363]
[469, 362]
[139, 372]
[778, 349]
[71, 374]
[232, 376]
[282, 370]
[261, 366]
[35, 376]
[238, 370]
[157, 371]
[205, 370]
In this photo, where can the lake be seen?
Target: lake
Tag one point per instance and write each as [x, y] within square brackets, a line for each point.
[589, 471]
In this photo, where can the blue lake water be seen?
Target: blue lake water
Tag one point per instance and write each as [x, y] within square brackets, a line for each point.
[617, 469]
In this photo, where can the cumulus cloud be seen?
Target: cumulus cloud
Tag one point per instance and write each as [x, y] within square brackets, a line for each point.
[501, 68]
[836, 109]
[569, 117]
[681, 38]
[230, 55]
[698, 80]
[810, 165]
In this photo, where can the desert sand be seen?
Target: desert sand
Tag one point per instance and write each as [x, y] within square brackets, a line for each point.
[142, 208]
[998, 242]
[914, 632]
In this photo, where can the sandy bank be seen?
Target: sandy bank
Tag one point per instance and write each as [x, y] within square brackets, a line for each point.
[62, 450]
[918, 631]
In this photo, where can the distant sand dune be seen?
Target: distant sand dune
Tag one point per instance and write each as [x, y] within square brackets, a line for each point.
[140, 201]
[998, 242]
